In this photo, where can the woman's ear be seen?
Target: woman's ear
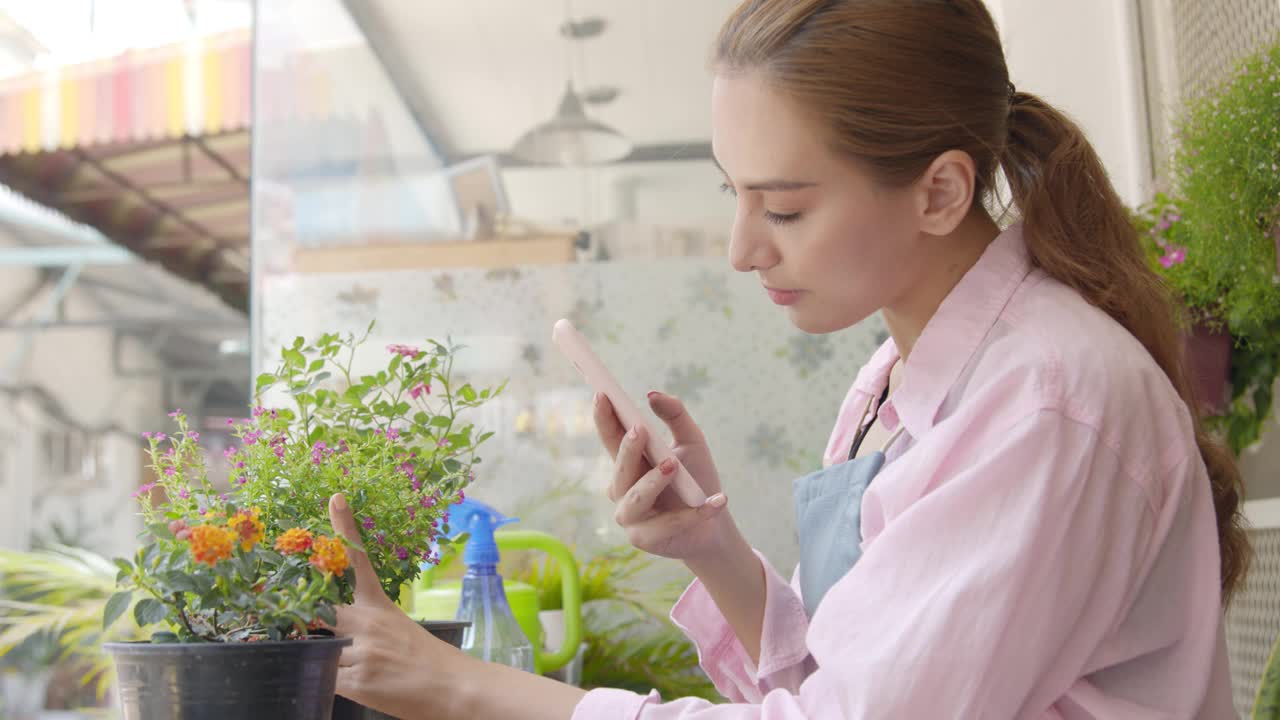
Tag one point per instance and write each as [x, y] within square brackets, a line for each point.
[946, 191]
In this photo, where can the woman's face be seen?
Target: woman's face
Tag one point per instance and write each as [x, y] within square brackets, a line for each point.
[827, 242]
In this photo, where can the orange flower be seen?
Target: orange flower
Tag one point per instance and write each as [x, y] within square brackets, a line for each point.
[211, 543]
[329, 556]
[295, 541]
[247, 527]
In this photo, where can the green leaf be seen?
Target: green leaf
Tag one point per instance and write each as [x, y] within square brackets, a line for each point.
[264, 380]
[327, 615]
[467, 392]
[181, 582]
[124, 565]
[315, 365]
[293, 359]
[441, 421]
[164, 637]
[160, 530]
[115, 607]
[298, 342]
[149, 611]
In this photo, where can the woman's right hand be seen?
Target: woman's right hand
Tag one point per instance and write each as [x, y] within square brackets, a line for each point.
[654, 517]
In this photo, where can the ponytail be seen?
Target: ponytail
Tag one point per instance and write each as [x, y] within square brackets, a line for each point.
[1079, 232]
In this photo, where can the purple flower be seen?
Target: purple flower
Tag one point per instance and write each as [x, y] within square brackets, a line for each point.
[1176, 255]
[195, 436]
[240, 465]
[413, 513]
[144, 490]
[230, 422]
[404, 350]
[175, 413]
[461, 496]
[419, 390]
[160, 436]
[147, 435]
[184, 493]
[243, 479]
[170, 452]
[252, 438]
[382, 538]
[278, 450]
[367, 523]
[229, 453]
[444, 442]
[402, 553]
[170, 471]
[258, 411]
[417, 485]
[393, 434]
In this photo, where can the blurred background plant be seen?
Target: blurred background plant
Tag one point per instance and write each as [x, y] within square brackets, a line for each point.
[630, 641]
[51, 606]
[1215, 235]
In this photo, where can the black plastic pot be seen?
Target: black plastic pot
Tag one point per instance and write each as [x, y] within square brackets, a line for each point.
[291, 680]
[449, 631]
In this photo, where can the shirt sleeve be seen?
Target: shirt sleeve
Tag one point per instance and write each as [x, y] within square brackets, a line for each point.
[984, 598]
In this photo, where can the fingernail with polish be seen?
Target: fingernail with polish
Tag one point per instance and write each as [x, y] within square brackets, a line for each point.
[667, 466]
[717, 500]
[653, 394]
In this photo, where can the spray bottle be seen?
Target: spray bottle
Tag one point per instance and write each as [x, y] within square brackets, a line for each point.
[494, 634]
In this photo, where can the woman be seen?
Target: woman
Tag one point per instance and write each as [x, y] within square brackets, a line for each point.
[1020, 516]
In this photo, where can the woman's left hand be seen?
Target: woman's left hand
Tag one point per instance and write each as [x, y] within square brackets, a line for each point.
[394, 665]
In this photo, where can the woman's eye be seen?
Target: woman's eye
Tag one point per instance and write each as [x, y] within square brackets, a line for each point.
[779, 219]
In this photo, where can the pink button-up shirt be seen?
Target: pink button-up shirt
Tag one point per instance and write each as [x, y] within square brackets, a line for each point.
[1042, 545]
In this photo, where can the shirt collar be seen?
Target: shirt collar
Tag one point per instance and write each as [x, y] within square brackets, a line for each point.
[952, 335]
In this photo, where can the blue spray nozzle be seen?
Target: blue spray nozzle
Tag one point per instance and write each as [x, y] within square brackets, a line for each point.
[480, 520]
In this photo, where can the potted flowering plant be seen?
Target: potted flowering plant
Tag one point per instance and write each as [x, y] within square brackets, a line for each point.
[1216, 239]
[242, 578]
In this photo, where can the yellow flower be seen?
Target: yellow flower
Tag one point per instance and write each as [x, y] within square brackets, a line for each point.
[211, 543]
[329, 556]
[295, 541]
[247, 527]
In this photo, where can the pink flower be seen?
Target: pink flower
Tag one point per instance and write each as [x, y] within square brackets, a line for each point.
[229, 453]
[444, 442]
[230, 422]
[417, 485]
[1176, 255]
[461, 496]
[175, 413]
[242, 480]
[240, 465]
[145, 489]
[170, 471]
[147, 435]
[402, 553]
[419, 390]
[258, 411]
[184, 494]
[367, 523]
[393, 434]
[160, 436]
[195, 436]
[382, 538]
[252, 438]
[404, 351]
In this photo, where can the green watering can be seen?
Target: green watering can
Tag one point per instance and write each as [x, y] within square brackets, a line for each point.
[430, 600]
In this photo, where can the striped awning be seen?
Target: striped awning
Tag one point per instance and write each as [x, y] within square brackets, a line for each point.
[202, 87]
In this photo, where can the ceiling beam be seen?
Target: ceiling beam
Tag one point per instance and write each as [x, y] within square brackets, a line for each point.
[400, 72]
[66, 256]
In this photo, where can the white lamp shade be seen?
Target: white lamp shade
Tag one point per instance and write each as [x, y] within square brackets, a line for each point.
[572, 138]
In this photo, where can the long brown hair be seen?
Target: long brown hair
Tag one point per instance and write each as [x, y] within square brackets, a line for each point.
[898, 82]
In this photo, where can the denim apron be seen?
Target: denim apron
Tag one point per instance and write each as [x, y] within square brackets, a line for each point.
[829, 515]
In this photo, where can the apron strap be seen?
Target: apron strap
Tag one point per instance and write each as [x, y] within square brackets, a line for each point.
[865, 426]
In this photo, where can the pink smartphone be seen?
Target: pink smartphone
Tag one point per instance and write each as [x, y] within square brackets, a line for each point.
[578, 350]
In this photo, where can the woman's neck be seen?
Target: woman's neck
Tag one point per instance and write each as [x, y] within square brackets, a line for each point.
[953, 256]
